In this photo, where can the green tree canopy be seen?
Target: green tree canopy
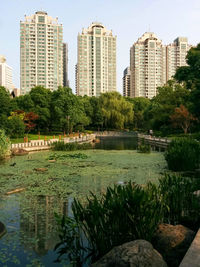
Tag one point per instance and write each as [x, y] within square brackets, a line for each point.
[116, 111]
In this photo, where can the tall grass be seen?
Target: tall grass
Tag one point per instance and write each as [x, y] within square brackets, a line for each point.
[129, 212]
[61, 146]
[183, 154]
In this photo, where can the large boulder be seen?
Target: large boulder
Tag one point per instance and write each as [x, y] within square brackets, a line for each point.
[172, 242]
[138, 253]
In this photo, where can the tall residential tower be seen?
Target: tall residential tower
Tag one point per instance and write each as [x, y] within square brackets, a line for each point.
[5, 74]
[176, 55]
[126, 82]
[41, 52]
[147, 64]
[96, 66]
[152, 64]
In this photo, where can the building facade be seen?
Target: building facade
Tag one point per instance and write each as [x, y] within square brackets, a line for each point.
[96, 65]
[41, 52]
[126, 82]
[5, 74]
[65, 65]
[152, 64]
[147, 65]
[176, 55]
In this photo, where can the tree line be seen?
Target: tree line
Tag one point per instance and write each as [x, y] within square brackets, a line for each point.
[175, 108]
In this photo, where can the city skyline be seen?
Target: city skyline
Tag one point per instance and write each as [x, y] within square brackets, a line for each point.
[135, 20]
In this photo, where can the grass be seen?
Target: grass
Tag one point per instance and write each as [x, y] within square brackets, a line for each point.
[40, 137]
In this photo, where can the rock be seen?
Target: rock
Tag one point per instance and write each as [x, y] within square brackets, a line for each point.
[40, 169]
[172, 242]
[19, 152]
[2, 229]
[138, 253]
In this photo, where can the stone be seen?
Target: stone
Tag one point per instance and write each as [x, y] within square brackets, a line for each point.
[19, 152]
[172, 242]
[138, 253]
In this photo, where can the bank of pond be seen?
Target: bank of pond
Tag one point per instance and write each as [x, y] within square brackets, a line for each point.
[56, 183]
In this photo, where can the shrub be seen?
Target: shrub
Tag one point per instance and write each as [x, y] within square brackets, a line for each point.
[4, 145]
[61, 146]
[143, 147]
[183, 154]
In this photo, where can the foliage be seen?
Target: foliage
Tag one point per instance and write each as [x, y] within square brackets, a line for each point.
[61, 146]
[183, 154]
[142, 209]
[15, 127]
[100, 219]
[4, 145]
[182, 118]
[29, 120]
[158, 114]
[116, 111]
[143, 147]
[179, 198]
[64, 156]
[140, 104]
[71, 242]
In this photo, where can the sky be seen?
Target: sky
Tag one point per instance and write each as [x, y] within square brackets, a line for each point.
[128, 19]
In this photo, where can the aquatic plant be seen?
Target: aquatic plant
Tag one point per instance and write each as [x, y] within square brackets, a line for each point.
[61, 146]
[4, 145]
[100, 219]
[178, 195]
[183, 154]
[55, 156]
[129, 212]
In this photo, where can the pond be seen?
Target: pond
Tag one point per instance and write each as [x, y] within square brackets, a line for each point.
[29, 215]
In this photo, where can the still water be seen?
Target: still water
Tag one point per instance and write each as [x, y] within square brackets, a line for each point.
[29, 215]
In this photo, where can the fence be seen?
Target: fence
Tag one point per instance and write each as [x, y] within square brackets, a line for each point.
[46, 144]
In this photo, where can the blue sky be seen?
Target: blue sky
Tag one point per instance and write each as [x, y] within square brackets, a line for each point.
[128, 19]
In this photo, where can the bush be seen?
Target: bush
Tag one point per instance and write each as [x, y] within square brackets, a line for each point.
[61, 146]
[143, 147]
[4, 145]
[183, 154]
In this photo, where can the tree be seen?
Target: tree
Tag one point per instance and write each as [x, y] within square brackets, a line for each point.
[116, 111]
[170, 96]
[191, 73]
[140, 104]
[182, 118]
[5, 101]
[41, 98]
[29, 121]
[4, 145]
[67, 110]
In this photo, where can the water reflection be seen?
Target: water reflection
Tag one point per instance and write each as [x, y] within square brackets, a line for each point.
[117, 143]
[37, 222]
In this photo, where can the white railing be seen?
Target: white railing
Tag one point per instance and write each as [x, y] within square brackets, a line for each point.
[43, 143]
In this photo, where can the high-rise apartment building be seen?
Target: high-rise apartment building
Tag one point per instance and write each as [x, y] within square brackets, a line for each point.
[65, 65]
[126, 82]
[147, 65]
[152, 64]
[5, 74]
[41, 52]
[176, 55]
[96, 66]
